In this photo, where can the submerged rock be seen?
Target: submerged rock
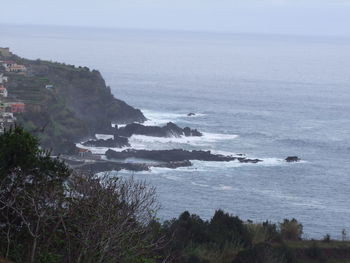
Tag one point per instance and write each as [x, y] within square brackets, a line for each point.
[169, 130]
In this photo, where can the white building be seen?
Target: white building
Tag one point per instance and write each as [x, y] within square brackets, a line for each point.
[7, 118]
[3, 79]
[3, 91]
[13, 67]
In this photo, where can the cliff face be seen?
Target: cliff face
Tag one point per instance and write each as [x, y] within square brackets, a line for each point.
[65, 103]
[86, 94]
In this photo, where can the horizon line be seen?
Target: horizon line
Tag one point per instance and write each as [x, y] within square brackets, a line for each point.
[175, 30]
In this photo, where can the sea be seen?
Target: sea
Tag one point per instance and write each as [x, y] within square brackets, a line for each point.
[265, 96]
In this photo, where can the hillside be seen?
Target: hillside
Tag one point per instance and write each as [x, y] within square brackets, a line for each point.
[64, 103]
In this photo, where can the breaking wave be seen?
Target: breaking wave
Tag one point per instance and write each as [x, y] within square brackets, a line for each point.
[162, 118]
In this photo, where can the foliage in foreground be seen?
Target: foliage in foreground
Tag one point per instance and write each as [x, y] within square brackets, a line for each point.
[50, 214]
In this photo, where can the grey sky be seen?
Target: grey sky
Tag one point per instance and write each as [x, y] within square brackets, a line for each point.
[305, 17]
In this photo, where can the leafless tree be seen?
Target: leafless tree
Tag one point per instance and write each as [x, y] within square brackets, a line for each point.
[29, 210]
[109, 217]
[97, 218]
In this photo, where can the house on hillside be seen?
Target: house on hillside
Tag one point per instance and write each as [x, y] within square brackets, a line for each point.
[8, 63]
[17, 107]
[7, 120]
[3, 91]
[13, 67]
[7, 117]
[3, 79]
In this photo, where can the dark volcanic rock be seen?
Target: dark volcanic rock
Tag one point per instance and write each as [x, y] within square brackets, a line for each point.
[175, 155]
[291, 159]
[169, 130]
[117, 142]
[174, 165]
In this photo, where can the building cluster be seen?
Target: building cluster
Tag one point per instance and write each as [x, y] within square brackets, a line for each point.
[8, 107]
[13, 67]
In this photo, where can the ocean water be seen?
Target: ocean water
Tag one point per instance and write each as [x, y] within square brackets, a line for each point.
[268, 97]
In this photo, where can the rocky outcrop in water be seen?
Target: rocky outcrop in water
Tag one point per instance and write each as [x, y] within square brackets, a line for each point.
[291, 159]
[116, 142]
[175, 155]
[169, 130]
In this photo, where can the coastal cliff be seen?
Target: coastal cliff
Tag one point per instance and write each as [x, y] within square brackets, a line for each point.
[64, 103]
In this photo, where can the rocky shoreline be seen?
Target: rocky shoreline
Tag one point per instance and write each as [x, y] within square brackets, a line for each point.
[175, 155]
[144, 160]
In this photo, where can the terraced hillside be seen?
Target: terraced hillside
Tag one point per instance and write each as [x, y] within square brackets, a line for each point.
[65, 104]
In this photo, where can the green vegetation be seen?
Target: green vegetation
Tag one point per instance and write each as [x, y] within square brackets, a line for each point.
[225, 238]
[51, 214]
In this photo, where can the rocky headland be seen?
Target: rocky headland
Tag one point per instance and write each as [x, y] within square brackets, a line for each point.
[64, 103]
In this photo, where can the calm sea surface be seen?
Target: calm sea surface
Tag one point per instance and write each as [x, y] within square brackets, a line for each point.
[265, 96]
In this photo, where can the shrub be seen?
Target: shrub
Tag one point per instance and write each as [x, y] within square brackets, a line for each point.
[291, 229]
[224, 227]
[265, 232]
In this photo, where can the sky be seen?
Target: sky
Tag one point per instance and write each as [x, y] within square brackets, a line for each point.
[295, 17]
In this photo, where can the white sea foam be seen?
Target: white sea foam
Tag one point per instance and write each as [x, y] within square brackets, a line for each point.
[104, 136]
[227, 153]
[197, 115]
[161, 118]
[149, 142]
[272, 162]
[236, 164]
[199, 184]
[100, 150]
[119, 125]
[291, 199]
[223, 187]
[171, 177]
